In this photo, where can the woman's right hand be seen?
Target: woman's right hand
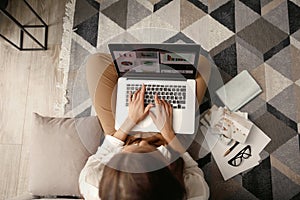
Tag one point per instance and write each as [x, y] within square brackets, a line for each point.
[163, 118]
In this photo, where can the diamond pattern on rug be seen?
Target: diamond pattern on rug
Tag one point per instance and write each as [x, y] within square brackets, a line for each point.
[243, 194]
[227, 61]
[179, 38]
[107, 29]
[260, 76]
[222, 46]
[298, 82]
[295, 39]
[154, 1]
[271, 37]
[171, 14]
[135, 13]
[209, 37]
[147, 4]
[246, 60]
[200, 4]
[278, 17]
[281, 184]
[225, 15]
[124, 37]
[287, 62]
[275, 129]
[264, 2]
[189, 13]
[85, 22]
[253, 4]
[213, 5]
[236, 37]
[244, 16]
[77, 81]
[152, 29]
[258, 181]
[294, 17]
[282, 117]
[224, 190]
[89, 29]
[126, 13]
[275, 82]
[297, 2]
[106, 3]
[291, 98]
[87, 10]
[160, 4]
[117, 12]
[256, 108]
[86, 112]
[284, 160]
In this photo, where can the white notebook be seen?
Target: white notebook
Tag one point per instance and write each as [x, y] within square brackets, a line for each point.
[238, 91]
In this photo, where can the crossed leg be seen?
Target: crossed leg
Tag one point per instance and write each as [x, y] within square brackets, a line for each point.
[102, 81]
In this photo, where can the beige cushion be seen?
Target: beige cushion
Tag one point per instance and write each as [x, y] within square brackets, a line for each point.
[30, 197]
[59, 150]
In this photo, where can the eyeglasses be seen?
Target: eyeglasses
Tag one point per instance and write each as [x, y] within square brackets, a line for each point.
[245, 153]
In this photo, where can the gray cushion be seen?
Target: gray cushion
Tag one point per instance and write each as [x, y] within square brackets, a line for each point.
[59, 150]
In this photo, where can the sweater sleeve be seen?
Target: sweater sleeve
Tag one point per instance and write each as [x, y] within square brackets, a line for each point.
[110, 146]
[91, 174]
[195, 184]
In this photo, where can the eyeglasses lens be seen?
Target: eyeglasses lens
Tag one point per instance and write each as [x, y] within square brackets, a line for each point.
[245, 153]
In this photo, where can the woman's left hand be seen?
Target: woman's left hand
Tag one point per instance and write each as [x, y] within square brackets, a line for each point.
[137, 111]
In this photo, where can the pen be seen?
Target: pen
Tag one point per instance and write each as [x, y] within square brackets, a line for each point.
[231, 148]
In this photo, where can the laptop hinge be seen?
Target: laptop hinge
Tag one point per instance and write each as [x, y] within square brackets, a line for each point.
[158, 78]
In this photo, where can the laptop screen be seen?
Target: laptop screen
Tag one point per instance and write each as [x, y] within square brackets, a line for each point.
[155, 59]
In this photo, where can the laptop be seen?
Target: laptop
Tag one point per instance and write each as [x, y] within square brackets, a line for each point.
[166, 69]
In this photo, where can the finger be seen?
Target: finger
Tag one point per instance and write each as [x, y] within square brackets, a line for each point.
[143, 89]
[148, 108]
[165, 106]
[156, 100]
[169, 106]
[136, 94]
[133, 96]
[129, 97]
[146, 111]
[171, 111]
[142, 93]
[137, 91]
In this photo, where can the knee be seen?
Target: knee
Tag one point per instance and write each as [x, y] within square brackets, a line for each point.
[203, 62]
[204, 68]
[98, 56]
[98, 59]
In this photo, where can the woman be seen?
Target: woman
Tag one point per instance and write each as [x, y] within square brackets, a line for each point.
[132, 167]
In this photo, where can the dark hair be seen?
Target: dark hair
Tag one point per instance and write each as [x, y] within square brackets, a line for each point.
[163, 183]
[155, 140]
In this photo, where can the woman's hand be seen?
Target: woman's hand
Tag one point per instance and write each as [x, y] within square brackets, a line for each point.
[137, 112]
[163, 118]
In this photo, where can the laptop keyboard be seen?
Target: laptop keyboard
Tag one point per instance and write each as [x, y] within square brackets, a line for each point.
[174, 94]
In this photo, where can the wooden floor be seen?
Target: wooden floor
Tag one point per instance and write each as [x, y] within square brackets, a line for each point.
[27, 85]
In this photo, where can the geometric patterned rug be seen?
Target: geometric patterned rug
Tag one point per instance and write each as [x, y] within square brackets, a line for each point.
[261, 36]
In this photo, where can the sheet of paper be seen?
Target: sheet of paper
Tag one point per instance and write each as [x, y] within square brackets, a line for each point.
[257, 139]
